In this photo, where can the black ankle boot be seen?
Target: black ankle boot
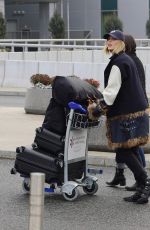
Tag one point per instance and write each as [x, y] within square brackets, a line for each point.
[119, 178]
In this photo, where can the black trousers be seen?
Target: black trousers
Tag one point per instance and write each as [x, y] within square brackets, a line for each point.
[120, 159]
[131, 158]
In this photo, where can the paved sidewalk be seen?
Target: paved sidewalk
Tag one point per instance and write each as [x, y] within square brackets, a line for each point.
[18, 129]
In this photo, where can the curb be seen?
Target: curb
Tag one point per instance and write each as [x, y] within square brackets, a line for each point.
[6, 93]
[12, 91]
[7, 155]
[92, 159]
[101, 161]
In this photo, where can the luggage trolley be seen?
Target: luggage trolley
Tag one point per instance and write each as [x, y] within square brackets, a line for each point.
[65, 167]
[76, 148]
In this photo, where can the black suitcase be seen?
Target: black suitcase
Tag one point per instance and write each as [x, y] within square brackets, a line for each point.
[29, 160]
[48, 141]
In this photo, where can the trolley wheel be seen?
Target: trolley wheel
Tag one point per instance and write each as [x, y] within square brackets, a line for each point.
[92, 190]
[26, 185]
[73, 196]
[34, 145]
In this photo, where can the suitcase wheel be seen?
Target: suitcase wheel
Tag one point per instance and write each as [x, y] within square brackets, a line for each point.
[90, 190]
[34, 145]
[20, 149]
[73, 196]
[26, 185]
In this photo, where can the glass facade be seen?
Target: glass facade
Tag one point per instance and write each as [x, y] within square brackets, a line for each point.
[108, 7]
[149, 8]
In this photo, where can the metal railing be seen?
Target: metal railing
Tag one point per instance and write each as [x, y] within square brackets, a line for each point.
[26, 45]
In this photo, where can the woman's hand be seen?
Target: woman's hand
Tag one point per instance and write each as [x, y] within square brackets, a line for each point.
[97, 109]
[94, 111]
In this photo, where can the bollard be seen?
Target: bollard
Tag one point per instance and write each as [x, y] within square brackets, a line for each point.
[36, 201]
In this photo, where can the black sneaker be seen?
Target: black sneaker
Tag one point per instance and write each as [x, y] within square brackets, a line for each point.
[134, 198]
[142, 200]
[131, 188]
[145, 194]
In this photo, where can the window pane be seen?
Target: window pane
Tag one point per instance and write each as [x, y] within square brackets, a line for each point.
[108, 5]
[105, 15]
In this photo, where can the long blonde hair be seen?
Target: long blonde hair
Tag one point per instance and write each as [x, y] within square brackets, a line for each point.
[118, 49]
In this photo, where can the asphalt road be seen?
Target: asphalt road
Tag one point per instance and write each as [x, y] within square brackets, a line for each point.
[103, 211]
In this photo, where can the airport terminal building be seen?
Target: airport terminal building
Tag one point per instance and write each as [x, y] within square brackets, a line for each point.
[83, 18]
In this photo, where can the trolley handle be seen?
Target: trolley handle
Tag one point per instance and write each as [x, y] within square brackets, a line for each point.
[73, 105]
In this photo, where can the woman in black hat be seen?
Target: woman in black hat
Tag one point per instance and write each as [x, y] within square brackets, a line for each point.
[125, 106]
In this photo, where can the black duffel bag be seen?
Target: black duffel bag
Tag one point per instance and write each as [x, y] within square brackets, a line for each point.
[66, 89]
[55, 118]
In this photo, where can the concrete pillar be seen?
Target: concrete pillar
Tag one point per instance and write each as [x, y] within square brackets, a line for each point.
[52, 7]
[36, 201]
[46, 11]
[44, 20]
[2, 7]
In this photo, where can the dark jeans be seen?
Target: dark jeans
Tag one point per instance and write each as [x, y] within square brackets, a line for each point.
[140, 155]
[132, 159]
